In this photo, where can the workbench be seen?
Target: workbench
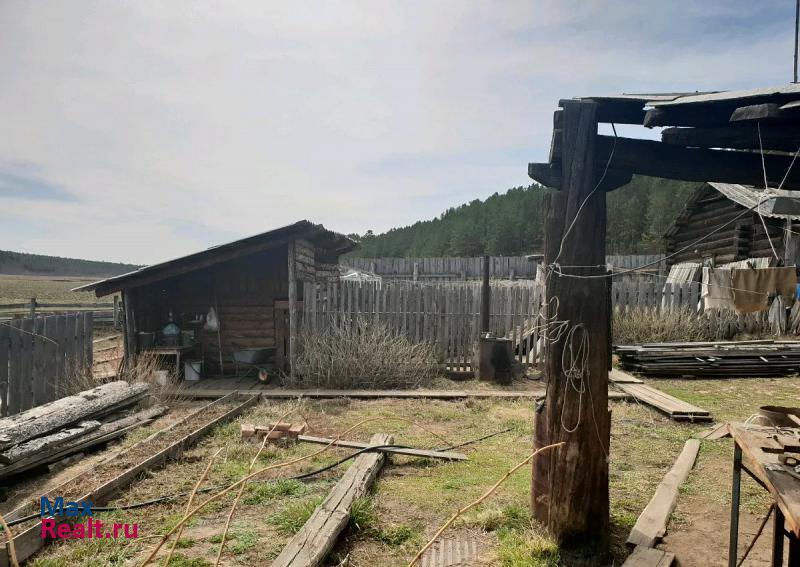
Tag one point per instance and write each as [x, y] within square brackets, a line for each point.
[177, 352]
[763, 466]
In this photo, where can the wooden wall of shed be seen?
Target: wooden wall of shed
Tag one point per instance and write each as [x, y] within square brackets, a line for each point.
[243, 291]
[743, 238]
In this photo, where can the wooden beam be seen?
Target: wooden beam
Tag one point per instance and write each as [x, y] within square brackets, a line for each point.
[627, 111]
[740, 138]
[755, 112]
[648, 157]
[310, 546]
[549, 175]
[570, 486]
[652, 523]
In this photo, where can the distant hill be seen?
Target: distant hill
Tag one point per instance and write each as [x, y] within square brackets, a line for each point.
[511, 223]
[19, 263]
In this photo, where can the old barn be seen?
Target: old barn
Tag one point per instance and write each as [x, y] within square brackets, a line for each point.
[235, 306]
[740, 210]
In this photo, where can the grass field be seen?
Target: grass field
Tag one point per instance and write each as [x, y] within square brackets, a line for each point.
[413, 497]
[20, 289]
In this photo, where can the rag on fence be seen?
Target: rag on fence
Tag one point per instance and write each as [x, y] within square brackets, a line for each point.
[753, 287]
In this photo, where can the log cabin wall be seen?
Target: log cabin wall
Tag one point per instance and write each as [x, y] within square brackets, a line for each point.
[745, 237]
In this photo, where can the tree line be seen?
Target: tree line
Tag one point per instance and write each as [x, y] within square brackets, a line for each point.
[511, 223]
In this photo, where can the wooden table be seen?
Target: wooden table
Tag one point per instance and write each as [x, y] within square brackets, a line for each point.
[784, 488]
[177, 351]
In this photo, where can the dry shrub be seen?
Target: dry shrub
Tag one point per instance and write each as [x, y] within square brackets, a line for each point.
[365, 355]
[646, 325]
[143, 370]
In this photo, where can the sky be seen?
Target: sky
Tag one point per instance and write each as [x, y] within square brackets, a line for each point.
[140, 131]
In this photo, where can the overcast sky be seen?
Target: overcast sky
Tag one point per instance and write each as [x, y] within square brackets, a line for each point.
[138, 131]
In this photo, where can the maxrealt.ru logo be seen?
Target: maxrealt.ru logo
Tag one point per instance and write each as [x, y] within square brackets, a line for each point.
[74, 529]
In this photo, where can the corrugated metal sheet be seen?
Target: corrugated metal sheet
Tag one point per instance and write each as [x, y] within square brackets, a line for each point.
[683, 272]
[749, 197]
[459, 551]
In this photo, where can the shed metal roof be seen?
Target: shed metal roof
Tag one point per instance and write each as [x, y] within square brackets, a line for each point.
[775, 203]
[304, 229]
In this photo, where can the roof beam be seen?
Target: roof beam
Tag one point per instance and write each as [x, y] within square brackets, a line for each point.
[550, 175]
[647, 157]
[740, 138]
[656, 159]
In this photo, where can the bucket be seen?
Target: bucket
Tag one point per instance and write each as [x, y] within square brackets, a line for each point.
[192, 369]
[161, 377]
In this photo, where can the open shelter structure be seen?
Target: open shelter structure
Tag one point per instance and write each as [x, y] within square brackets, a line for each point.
[254, 286]
[747, 137]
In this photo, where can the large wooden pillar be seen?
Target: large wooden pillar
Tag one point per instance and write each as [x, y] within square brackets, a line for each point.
[570, 484]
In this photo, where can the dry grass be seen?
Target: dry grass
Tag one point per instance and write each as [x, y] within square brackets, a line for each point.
[647, 325]
[366, 355]
[413, 497]
[20, 289]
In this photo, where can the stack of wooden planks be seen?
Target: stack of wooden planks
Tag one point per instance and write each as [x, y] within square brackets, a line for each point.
[50, 432]
[723, 359]
[673, 407]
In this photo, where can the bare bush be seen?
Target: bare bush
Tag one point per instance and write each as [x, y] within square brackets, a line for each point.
[364, 355]
[647, 325]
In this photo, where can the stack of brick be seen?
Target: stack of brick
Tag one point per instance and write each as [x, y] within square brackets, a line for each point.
[274, 433]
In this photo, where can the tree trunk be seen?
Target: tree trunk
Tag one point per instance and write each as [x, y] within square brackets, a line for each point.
[570, 485]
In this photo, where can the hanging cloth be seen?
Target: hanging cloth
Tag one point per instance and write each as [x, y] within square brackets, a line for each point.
[716, 291]
[752, 287]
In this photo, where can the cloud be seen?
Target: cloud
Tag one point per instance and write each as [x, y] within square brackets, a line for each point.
[26, 181]
[355, 114]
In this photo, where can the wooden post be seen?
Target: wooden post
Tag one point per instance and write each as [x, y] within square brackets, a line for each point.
[416, 271]
[570, 485]
[116, 312]
[129, 331]
[33, 307]
[292, 270]
[486, 297]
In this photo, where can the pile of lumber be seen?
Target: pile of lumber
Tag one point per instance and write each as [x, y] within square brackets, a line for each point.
[723, 359]
[51, 432]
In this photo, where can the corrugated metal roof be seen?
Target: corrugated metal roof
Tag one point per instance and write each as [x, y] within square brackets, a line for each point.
[771, 201]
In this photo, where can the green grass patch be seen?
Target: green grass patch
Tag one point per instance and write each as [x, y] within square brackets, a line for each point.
[292, 516]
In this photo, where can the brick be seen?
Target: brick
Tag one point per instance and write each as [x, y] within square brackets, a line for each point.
[248, 430]
[296, 430]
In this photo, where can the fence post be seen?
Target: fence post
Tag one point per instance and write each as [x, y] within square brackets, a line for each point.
[416, 271]
[33, 307]
[486, 297]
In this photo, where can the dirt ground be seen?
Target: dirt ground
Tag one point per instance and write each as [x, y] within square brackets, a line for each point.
[413, 497]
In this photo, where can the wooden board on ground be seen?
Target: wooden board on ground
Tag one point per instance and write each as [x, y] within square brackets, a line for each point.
[652, 522]
[394, 450]
[621, 377]
[670, 405]
[717, 432]
[648, 557]
[316, 538]
[214, 390]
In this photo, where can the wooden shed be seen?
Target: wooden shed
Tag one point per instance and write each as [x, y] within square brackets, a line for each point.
[737, 211]
[253, 285]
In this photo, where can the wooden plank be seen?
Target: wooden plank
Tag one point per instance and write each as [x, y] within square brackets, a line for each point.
[446, 455]
[621, 377]
[293, 315]
[652, 522]
[26, 375]
[38, 376]
[310, 546]
[648, 557]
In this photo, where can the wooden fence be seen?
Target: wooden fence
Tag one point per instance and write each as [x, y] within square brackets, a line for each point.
[37, 354]
[500, 267]
[445, 315]
[103, 313]
[654, 293]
